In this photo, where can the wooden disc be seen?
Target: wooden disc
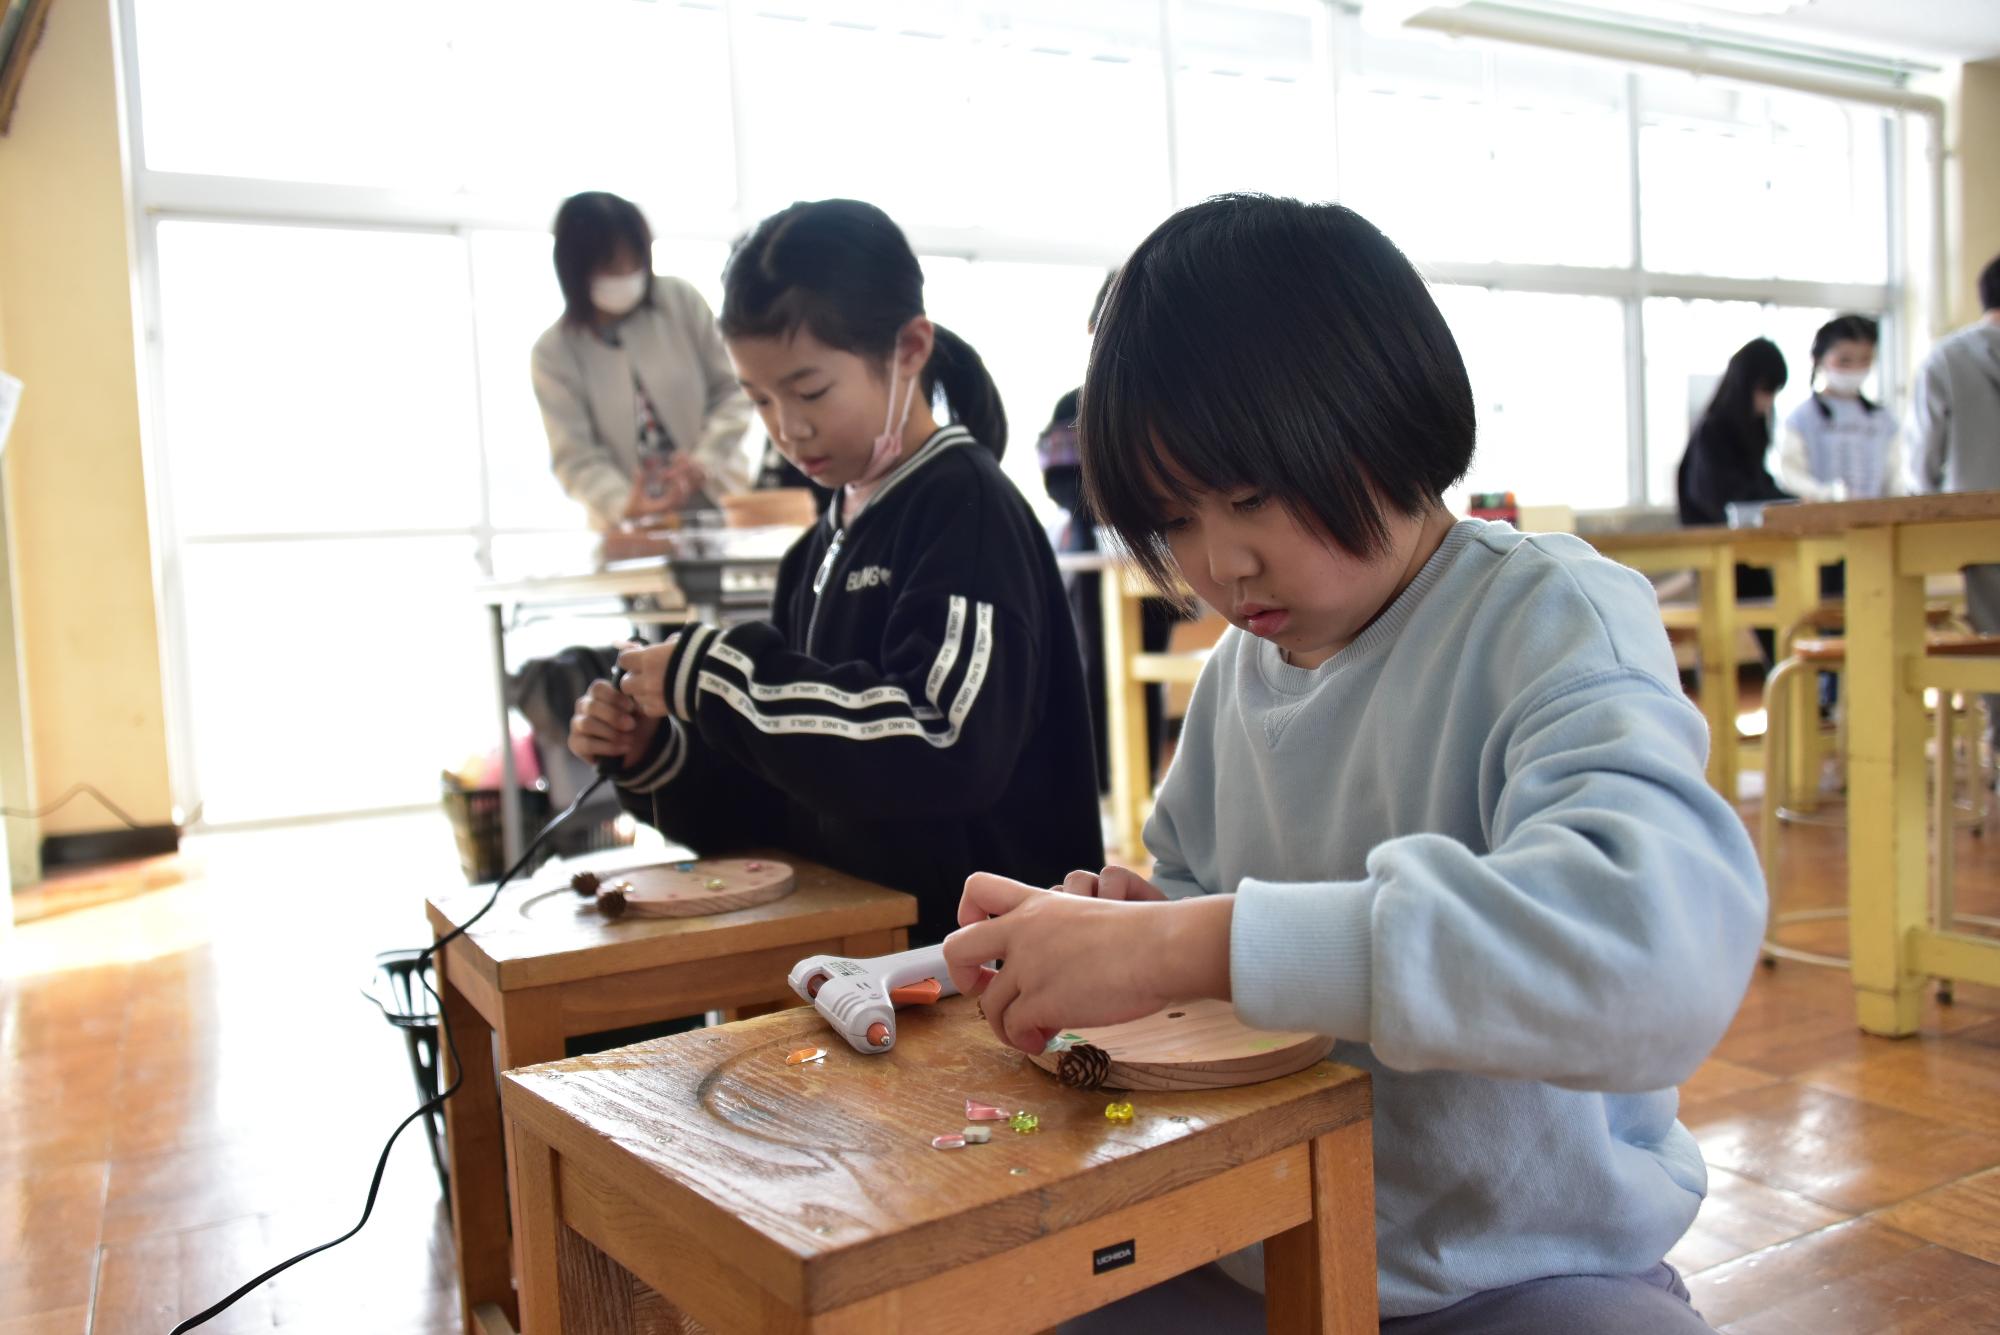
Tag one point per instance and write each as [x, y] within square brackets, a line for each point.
[1194, 1045]
[696, 889]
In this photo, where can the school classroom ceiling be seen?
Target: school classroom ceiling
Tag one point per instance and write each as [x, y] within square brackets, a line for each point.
[1932, 30]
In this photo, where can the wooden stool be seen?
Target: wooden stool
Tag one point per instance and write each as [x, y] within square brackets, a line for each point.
[543, 967]
[1810, 657]
[699, 1178]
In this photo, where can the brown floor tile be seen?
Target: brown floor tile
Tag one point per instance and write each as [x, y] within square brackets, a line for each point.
[1717, 1078]
[36, 1144]
[1986, 1034]
[186, 1189]
[1776, 1275]
[1741, 1216]
[1930, 1288]
[66, 1321]
[52, 1283]
[1944, 1081]
[53, 1213]
[1842, 1152]
[1964, 1216]
[153, 1282]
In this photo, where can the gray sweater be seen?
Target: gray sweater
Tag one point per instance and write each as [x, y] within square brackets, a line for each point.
[586, 387]
[1477, 847]
[1953, 440]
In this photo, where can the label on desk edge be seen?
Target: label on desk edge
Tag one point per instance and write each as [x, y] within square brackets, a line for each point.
[1115, 1257]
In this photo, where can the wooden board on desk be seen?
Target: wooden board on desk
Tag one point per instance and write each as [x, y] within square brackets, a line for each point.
[541, 932]
[1195, 1045]
[697, 889]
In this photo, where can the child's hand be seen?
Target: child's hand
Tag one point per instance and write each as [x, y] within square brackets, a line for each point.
[1111, 883]
[1073, 962]
[645, 668]
[607, 726]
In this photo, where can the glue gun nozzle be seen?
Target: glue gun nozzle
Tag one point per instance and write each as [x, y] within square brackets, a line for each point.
[878, 1034]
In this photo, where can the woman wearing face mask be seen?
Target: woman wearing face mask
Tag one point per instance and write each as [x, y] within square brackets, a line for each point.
[643, 413]
[914, 711]
[1838, 446]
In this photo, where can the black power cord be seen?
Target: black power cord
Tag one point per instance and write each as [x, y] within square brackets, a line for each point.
[604, 772]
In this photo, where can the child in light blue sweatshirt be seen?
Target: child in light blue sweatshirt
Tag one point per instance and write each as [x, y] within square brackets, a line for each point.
[1439, 792]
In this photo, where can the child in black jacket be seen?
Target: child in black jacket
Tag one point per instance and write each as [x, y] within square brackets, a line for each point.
[915, 710]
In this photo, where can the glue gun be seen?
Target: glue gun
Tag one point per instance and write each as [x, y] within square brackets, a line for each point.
[853, 995]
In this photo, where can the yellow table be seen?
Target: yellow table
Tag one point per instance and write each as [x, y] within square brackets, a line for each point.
[1891, 546]
[1713, 554]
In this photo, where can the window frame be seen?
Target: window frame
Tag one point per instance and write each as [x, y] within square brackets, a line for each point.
[156, 196]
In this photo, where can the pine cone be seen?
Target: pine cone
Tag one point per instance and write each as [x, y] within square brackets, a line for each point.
[1084, 1066]
[584, 883]
[611, 902]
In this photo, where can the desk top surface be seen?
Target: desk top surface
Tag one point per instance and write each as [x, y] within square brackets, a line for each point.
[542, 932]
[1840, 516]
[1693, 538]
[820, 1178]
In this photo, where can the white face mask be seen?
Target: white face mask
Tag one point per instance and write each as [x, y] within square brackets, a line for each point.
[617, 294]
[1846, 382]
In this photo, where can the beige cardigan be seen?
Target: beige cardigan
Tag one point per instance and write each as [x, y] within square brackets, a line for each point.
[585, 388]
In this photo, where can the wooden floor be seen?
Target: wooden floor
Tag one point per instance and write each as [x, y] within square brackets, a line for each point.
[194, 1088]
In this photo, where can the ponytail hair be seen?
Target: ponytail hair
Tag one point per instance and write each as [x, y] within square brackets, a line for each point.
[968, 389]
[844, 272]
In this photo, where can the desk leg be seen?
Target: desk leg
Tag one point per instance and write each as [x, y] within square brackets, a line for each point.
[538, 1230]
[477, 1157]
[1320, 1276]
[1717, 614]
[530, 1032]
[1125, 714]
[1797, 578]
[1886, 854]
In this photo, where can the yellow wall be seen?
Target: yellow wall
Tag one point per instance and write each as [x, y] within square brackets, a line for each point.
[75, 478]
[20, 838]
[1974, 210]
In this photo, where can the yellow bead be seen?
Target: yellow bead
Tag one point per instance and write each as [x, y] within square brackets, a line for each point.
[1024, 1123]
[1118, 1112]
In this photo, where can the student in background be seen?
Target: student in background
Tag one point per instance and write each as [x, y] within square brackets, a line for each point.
[1837, 445]
[1062, 477]
[1724, 461]
[1439, 793]
[914, 711]
[643, 412]
[1953, 442]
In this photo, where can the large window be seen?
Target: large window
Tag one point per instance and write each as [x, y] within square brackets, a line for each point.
[1757, 183]
[1464, 152]
[345, 285]
[1543, 434]
[324, 473]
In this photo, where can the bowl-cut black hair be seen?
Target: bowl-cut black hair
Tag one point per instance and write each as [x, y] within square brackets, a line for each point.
[1260, 343]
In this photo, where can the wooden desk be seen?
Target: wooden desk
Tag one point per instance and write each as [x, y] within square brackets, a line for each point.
[1891, 546]
[758, 1197]
[544, 966]
[1713, 554]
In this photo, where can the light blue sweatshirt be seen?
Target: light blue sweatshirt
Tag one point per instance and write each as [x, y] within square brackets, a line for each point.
[1476, 846]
